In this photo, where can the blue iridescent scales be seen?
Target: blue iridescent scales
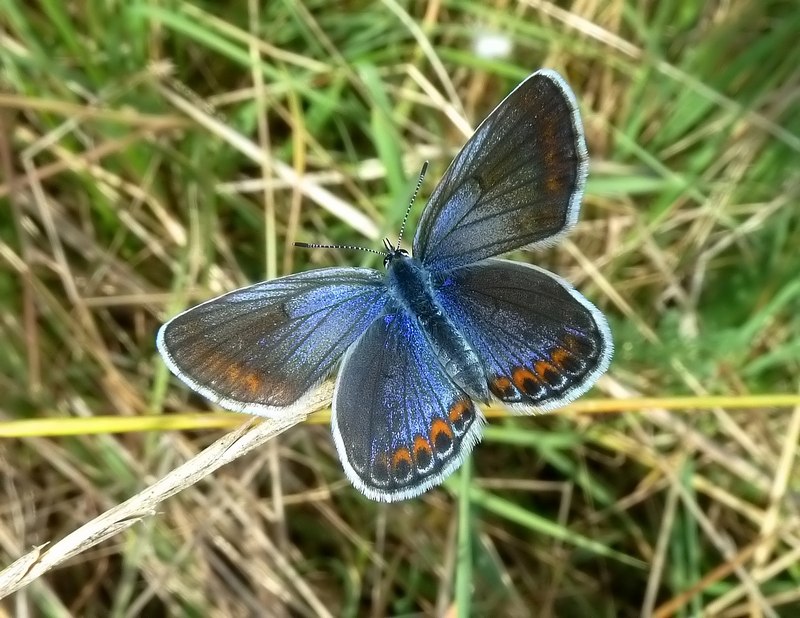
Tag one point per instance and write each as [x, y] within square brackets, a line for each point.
[442, 330]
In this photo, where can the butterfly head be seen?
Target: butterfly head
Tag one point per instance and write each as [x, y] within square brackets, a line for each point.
[392, 253]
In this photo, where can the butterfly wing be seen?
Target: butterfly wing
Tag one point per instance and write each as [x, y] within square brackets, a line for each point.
[518, 181]
[263, 348]
[399, 423]
[543, 344]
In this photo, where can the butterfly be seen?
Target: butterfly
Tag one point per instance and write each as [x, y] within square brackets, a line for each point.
[441, 330]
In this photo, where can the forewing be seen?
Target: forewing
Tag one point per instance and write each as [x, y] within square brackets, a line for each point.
[517, 182]
[543, 344]
[262, 348]
[399, 423]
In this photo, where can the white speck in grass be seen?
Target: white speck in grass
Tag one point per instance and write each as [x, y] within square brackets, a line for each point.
[491, 45]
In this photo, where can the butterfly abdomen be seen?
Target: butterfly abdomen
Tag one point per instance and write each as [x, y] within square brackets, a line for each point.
[412, 291]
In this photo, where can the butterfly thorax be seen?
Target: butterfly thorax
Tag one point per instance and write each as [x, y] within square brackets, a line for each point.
[412, 291]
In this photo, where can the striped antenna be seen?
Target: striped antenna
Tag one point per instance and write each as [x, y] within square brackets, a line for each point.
[389, 248]
[422, 173]
[306, 245]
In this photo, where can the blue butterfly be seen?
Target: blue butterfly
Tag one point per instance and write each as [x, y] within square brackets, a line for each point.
[420, 344]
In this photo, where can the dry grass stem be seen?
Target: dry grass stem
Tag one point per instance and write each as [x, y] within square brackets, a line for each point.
[119, 518]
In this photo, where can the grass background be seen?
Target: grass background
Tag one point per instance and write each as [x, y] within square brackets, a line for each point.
[134, 182]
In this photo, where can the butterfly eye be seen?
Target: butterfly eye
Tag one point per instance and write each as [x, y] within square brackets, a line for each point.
[394, 253]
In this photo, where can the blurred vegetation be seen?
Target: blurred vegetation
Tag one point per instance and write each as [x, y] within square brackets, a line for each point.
[151, 157]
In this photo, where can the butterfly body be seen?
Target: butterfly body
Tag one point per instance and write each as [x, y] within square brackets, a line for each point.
[412, 291]
[440, 330]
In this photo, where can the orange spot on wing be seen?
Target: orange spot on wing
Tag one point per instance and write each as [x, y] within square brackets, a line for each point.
[233, 372]
[421, 445]
[252, 382]
[542, 367]
[553, 184]
[558, 356]
[501, 386]
[502, 382]
[521, 376]
[401, 455]
[459, 409]
[440, 428]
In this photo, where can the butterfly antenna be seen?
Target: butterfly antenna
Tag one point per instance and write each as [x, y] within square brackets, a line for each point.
[422, 173]
[306, 245]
